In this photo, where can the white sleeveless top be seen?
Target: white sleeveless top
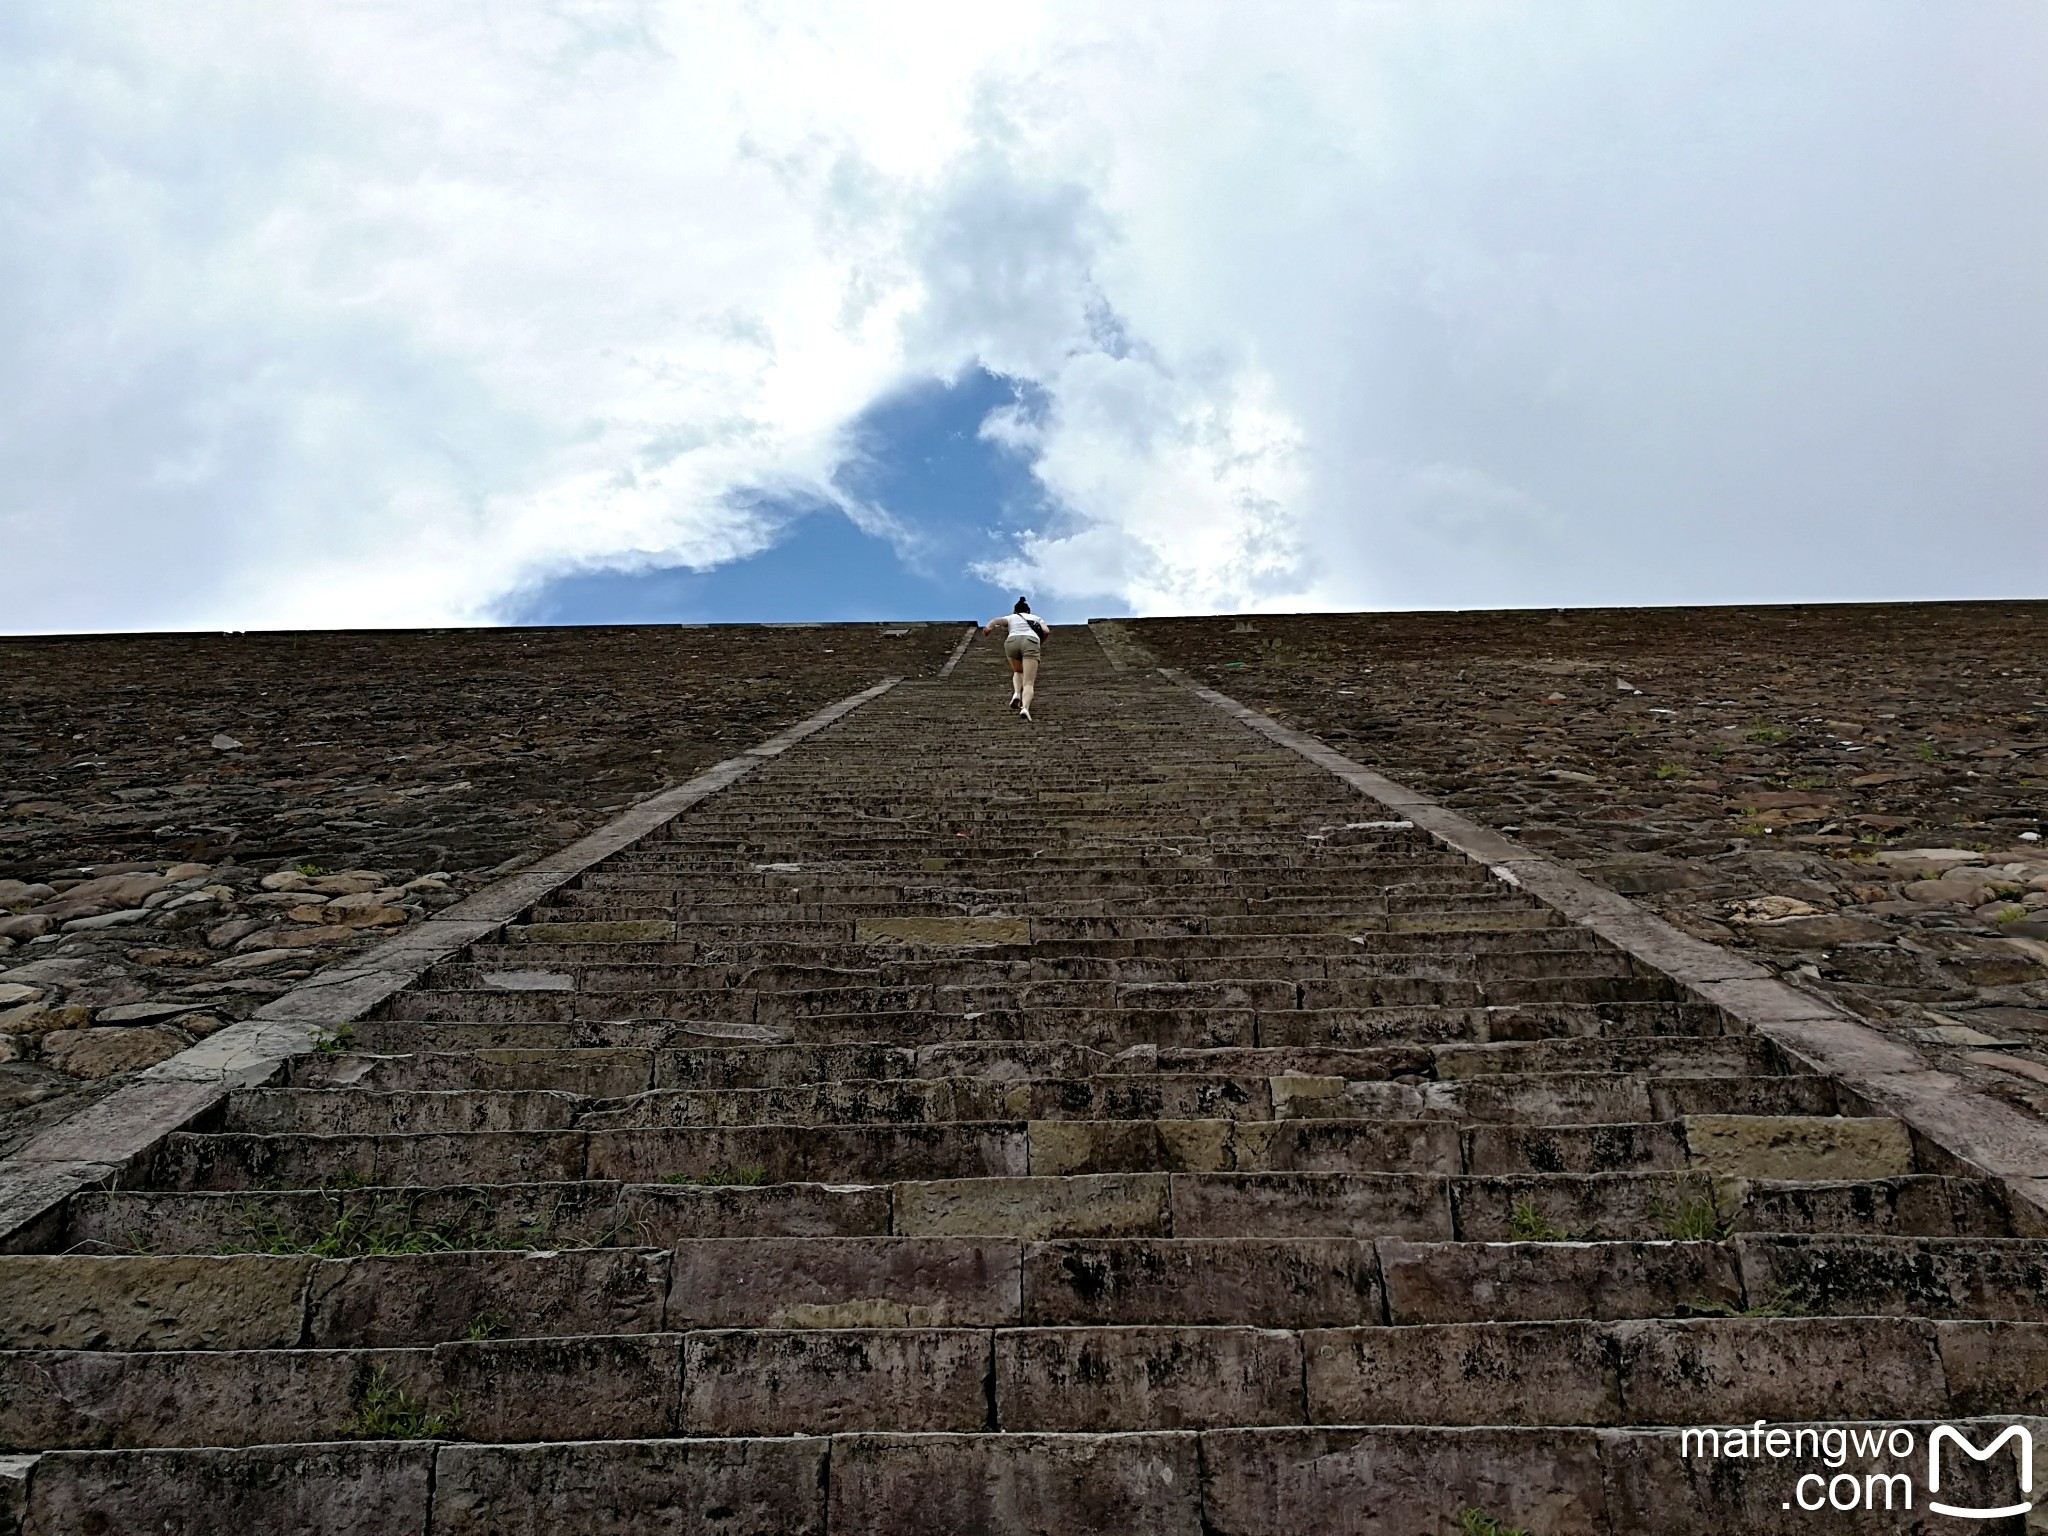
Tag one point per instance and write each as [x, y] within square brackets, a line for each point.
[1020, 624]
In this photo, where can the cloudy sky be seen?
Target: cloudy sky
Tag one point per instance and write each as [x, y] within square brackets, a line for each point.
[461, 311]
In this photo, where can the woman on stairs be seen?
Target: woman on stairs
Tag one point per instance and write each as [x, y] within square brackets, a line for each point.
[1021, 646]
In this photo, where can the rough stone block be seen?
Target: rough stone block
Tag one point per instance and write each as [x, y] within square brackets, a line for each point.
[1083, 1205]
[1644, 1147]
[1657, 1483]
[895, 1282]
[1292, 1283]
[1512, 1373]
[427, 1298]
[1735, 1370]
[1995, 1367]
[658, 1214]
[1893, 1277]
[1139, 1146]
[633, 1488]
[108, 1400]
[1799, 1146]
[1104, 1379]
[1498, 1282]
[151, 1302]
[1401, 1482]
[944, 1485]
[14, 1475]
[618, 1387]
[627, 932]
[303, 1490]
[942, 930]
[1346, 1146]
[773, 1382]
[1311, 1205]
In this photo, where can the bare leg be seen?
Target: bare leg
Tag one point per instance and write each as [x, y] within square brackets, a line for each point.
[1016, 680]
[1029, 666]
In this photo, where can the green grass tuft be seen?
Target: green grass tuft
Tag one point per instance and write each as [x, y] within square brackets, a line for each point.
[751, 1175]
[384, 1410]
[1473, 1522]
[1526, 1224]
[1694, 1217]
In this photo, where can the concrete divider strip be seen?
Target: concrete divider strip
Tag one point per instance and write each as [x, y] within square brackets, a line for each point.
[94, 1146]
[959, 650]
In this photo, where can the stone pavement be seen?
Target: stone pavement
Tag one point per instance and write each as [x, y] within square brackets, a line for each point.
[1116, 1123]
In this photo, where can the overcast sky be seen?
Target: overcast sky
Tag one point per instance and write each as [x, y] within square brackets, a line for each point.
[431, 312]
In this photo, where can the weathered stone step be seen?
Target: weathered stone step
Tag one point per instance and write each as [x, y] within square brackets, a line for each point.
[1730, 1146]
[596, 1073]
[746, 1005]
[529, 947]
[1274, 1481]
[680, 864]
[280, 1302]
[1553, 1207]
[1108, 1030]
[1315, 909]
[1558, 1098]
[927, 1100]
[586, 1070]
[358, 1111]
[1021, 1380]
[627, 969]
[783, 926]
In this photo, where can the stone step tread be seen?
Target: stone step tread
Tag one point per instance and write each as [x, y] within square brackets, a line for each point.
[1111, 1030]
[1614, 1097]
[152, 1302]
[722, 1382]
[1583, 1207]
[1266, 1481]
[1769, 1146]
[587, 1070]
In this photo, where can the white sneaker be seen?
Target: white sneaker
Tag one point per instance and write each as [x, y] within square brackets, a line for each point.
[1016, 701]
[1024, 714]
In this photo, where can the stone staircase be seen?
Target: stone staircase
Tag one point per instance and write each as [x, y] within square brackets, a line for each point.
[1107, 1124]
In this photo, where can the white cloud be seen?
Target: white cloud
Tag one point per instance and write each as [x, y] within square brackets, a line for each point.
[374, 314]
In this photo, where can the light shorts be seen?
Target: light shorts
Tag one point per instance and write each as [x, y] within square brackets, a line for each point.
[1017, 647]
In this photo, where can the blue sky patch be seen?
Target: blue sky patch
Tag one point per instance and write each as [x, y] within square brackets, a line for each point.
[947, 496]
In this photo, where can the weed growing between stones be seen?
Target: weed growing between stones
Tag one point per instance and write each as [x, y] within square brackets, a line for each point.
[1769, 1304]
[485, 1325]
[1695, 1217]
[1526, 1224]
[384, 1410]
[1473, 1522]
[1769, 735]
[750, 1175]
[336, 1041]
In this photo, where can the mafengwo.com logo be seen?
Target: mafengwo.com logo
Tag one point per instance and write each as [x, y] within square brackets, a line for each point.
[1974, 1471]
